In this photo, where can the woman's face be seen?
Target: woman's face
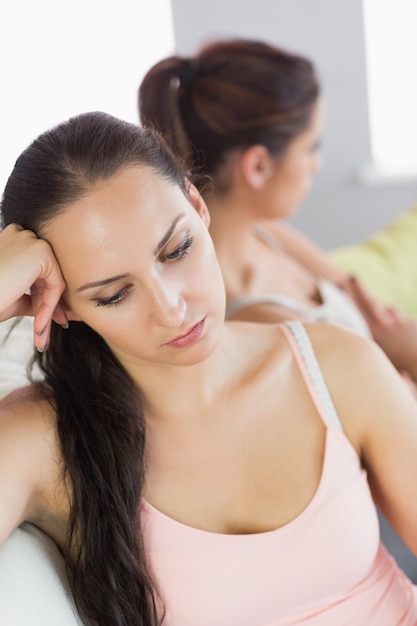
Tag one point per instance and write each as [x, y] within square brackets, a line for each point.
[140, 268]
[293, 173]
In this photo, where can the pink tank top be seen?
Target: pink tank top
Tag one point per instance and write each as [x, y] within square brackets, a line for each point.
[327, 567]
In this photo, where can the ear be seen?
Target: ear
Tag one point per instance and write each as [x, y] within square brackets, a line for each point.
[198, 203]
[256, 166]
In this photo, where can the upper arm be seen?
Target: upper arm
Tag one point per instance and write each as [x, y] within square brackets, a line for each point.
[25, 450]
[379, 415]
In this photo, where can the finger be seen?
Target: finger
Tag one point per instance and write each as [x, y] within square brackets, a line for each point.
[43, 321]
[397, 316]
[46, 309]
[46, 294]
[374, 311]
[60, 316]
[42, 328]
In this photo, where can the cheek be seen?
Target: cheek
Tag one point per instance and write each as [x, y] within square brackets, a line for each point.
[106, 321]
[295, 186]
[304, 174]
[122, 329]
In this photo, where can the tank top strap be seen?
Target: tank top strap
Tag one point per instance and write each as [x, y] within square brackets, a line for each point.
[276, 299]
[311, 372]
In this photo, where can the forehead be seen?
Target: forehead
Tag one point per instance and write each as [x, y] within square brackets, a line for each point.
[137, 204]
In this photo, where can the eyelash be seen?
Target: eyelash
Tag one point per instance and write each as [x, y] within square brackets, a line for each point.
[113, 300]
[181, 252]
[178, 255]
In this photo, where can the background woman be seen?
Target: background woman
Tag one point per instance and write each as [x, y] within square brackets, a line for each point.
[247, 119]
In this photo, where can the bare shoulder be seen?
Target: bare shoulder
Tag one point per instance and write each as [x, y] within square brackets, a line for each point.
[333, 345]
[324, 335]
[367, 390]
[29, 456]
[28, 406]
[341, 351]
[347, 358]
[28, 425]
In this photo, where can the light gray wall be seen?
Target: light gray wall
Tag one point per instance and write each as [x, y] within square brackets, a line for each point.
[340, 210]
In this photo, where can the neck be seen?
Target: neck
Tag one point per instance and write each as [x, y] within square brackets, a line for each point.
[233, 216]
[181, 393]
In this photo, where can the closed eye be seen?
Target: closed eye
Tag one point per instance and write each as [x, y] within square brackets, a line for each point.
[180, 252]
[117, 298]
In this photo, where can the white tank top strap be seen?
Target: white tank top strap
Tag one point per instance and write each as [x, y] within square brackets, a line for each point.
[312, 370]
[243, 302]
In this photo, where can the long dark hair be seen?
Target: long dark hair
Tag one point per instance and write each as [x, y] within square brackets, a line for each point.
[99, 415]
[232, 94]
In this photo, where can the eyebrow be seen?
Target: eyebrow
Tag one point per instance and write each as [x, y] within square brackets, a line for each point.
[113, 279]
[101, 283]
[168, 234]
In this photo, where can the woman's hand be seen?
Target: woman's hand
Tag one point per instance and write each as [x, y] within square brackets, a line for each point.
[31, 282]
[377, 314]
[391, 329]
[399, 342]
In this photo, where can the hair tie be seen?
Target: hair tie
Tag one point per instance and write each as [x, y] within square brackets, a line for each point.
[188, 72]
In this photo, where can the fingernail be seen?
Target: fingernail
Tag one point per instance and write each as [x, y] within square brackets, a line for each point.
[65, 325]
[43, 349]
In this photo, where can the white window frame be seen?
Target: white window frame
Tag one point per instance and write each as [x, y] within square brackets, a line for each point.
[391, 59]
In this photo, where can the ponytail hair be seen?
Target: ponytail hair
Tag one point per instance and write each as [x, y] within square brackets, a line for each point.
[232, 94]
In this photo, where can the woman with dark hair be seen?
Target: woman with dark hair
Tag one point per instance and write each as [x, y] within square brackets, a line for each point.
[191, 470]
[246, 119]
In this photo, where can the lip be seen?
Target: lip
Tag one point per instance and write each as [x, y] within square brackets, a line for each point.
[190, 337]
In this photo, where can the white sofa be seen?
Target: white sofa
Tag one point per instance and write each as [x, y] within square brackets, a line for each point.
[33, 585]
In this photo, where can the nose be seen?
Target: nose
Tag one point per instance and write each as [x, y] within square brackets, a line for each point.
[168, 306]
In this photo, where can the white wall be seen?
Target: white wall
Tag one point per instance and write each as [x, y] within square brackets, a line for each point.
[340, 209]
[59, 59]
